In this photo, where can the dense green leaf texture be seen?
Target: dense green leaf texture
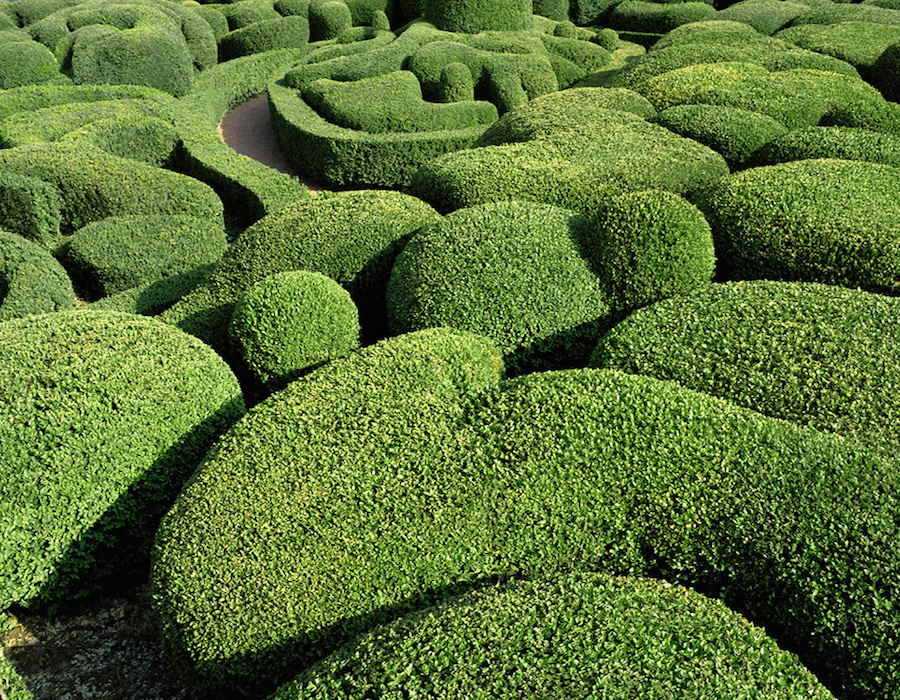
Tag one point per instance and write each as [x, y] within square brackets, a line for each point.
[858, 43]
[656, 17]
[765, 16]
[12, 683]
[574, 636]
[816, 355]
[30, 207]
[325, 512]
[26, 63]
[104, 417]
[845, 143]
[824, 220]
[31, 280]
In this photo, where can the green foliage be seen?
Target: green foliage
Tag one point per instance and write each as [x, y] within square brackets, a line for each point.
[11, 683]
[26, 63]
[94, 185]
[246, 13]
[830, 221]
[656, 17]
[105, 415]
[833, 12]
[765, 16]
[155, 297]
[31, 281]
[34, 97]
[349, 506]
[881, 116]
[513, 272]
[290, 322]
[216, 20]
[553, 9]
[812, 354]
[328, 19]
[325, 234]
[121, 252]
[735, 133]
[650, 245]
[30, 207]
[281, 33]
[562, 150]
[831, 142]
[472, 16]
[577, 635]
[886, 72]
[146, 139]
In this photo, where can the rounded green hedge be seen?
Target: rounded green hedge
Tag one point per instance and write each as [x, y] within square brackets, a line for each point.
[280, 33]
[885, 72]
[656, 17]
[825, 220]
[514, 272]
[30, 207]
[155, 297]
[579, 635]
[844, 143]
[324, 234]
[104, 418]
[120, 252]
[290, 322]
[26, 63]
[816, 355]
[473, 16]
[146, 139]
[297, 510]
[31, 280]
[765, 16]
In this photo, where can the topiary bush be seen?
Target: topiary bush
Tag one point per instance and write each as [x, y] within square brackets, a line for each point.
[328, 19]
[155, 297]
[379, 512]
[845, 143]
[281, 33]
[146, 139]
[765, 16]
[472, 16]
[735, 133]
[31, 281]
[120, 252]
[326, 235]
[30, 207]
[26, 63]
[830, 221]
[578, 635]
[290, 322]
[656, 17]
[811, 354]
[106, 415]
[513, 272]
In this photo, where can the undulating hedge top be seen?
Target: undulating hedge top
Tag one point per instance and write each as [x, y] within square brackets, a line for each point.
[341, 509]
[30, 207]
[824, 220]
[31, 280]
[765, 16]
[812, 354]
[27, 63]
[834, 12]
[845, 143]
[104, 417]
[267, 35]
[858, 43]
[471, 16]
[324, 234]
[290, 322]
[578, 635]
[34, 97]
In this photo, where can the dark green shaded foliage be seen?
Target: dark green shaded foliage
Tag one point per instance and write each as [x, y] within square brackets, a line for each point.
[325, 234]
[217, 21]
[578, 635]
[830, 221]
[560, 150]
[650, 245]
[289, 322]
[34, 97]
[27, 12]
[154, 298]
[580, 470]
[472, 16]
[121, 252]
[104, 418]
[281, 33]
[735, 133]
[765, 16]
[11, 683]
[31, 281]
[26, 63]
[384, 405]
[30, 207]
[886, 73]
[831, 142]
[514, 272]
[247, 12]
[656, 17]
[287, 8]
[328, 19]
[146, 139]
[553, 9]
[94, 185]
[815, 355]
[880, 116]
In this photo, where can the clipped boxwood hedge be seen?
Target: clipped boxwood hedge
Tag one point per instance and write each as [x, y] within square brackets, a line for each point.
[279, 33]
[31, 280]
[155, 297]
[104, 418]
[146, 139]
[30, 207]
[26, 63]
[290, 322]
[824, 220]
[765, 16]
[473, 16]
[579, 635]
[656, 17]
[812, 354]
[348, 508]
[120, 252]
[845, 143]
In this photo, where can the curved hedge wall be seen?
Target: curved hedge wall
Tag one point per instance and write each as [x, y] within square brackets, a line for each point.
[765, 16]
[844, 143]
[26, 63]
[278, 33]
[812, 354]
[473, 16]
[578, 470]
[579, 635]
[290, 322]
[30, 207]
[105, 417]
[826, 220]
[31, 280]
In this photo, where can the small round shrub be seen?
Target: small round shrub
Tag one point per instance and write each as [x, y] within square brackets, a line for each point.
[579, 635]
[26, 63]
[328, 19]
[513, 272]
[281, 33]
[735, 133]
[104, 417]
[473, 16]
[840, 142]
[815, 355]
[290, 322]
[650, 245]
[31, 280]
[456, 84]
[830, 221]
[120, 252]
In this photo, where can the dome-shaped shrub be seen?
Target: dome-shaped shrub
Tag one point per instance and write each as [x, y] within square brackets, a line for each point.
[514, 272]
[31, 280]
[844, 143]
[765, 16]
[104, 417]
[292, 321]
[473, 16]
[30, 207]
[26, 63]
[575, 636]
